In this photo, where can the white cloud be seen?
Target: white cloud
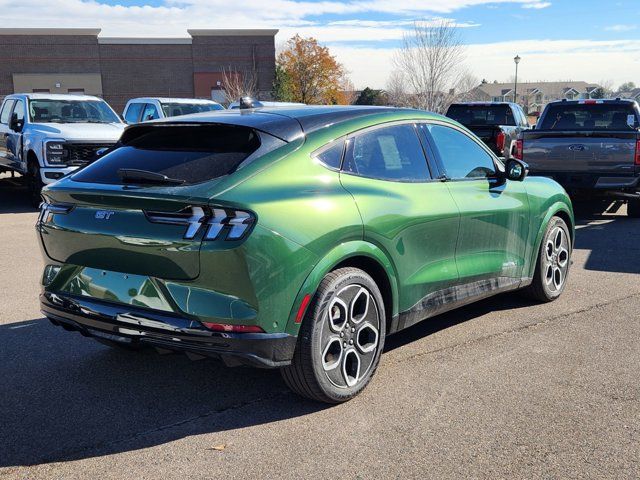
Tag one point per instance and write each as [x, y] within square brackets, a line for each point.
[620, 28]
[173, 17]
[537, 5]
[591, 61]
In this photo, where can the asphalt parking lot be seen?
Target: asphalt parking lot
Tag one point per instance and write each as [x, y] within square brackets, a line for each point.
[500, 389]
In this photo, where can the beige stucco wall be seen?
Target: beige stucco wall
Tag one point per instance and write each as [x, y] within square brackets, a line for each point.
[57, 82]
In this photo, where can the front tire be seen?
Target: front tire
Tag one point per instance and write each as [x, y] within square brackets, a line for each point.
[554, 260]
[34, 184]
[341, 339]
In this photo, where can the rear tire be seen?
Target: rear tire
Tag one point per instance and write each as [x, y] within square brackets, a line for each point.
[34, 183]
[554, 261]
[633, 208]
[341, 339]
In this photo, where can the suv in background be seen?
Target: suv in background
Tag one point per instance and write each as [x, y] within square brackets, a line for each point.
[590, 147]
[46, 136]
[151, 108]
[498, 124]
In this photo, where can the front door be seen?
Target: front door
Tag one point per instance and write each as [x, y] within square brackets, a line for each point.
[5, 118]
[15, 159]
[406, 212]
[494, 214]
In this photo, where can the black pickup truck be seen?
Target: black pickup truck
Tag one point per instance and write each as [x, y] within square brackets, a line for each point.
[498, 124]
[590, 147]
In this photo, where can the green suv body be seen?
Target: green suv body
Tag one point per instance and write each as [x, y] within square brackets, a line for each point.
[294, 237]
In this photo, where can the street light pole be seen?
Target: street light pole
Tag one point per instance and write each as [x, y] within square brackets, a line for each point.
[516, 59]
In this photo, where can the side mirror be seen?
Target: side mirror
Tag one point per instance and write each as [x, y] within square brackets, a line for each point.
[516, 170]
[16, 124]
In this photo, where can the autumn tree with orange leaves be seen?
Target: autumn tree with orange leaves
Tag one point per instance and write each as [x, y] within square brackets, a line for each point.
[308, 73]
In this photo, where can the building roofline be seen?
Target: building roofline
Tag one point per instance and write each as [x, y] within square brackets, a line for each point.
[50, 31]
[255, 32]
[144, 41]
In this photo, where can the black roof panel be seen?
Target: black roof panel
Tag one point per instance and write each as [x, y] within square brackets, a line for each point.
[286, 123]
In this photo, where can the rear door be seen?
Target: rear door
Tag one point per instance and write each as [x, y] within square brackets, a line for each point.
[494, 215]
[405, 211]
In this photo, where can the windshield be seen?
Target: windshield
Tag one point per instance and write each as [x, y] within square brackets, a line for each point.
[482, 114]
[611, 116]
[178, 109]
[71, 111]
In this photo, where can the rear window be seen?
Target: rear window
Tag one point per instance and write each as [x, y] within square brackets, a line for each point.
[606, 116]
[477, 115]
[190, 153]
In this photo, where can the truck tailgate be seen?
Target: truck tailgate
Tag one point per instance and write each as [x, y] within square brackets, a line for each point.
[593, 152]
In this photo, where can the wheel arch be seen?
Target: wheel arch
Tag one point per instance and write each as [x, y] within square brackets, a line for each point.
[558, 209]
[359, 254]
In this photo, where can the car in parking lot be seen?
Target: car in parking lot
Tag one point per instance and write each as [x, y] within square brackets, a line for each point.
[296, 238]
[46, 136]
[144, 109]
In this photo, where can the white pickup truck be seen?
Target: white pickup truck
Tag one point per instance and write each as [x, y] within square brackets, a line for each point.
[46, 136]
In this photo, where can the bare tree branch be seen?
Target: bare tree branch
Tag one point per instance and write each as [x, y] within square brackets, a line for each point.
[431, 58]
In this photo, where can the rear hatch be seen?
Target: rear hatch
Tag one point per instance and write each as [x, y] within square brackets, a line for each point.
[143, 208]
[589, 137]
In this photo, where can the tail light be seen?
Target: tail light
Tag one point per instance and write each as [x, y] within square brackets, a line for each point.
[637, 157]
[223, 327]
[519, 153]
[500, 141]
[218, 223]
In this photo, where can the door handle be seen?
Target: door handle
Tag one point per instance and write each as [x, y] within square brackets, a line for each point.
[577, 148]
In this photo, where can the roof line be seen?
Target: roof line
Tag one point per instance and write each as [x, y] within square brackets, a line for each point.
[50, 31]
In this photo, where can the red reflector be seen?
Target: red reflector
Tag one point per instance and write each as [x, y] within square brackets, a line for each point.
[303, 307]
[519, 153]
[637, 160]
[500, 141]
[223, 327]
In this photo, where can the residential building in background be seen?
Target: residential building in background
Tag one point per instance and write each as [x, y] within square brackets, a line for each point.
[73, 60]
[533, 96]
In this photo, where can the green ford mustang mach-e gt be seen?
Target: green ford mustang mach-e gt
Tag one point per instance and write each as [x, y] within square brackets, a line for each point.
[294, 237]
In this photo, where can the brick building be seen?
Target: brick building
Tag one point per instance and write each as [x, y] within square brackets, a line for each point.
[81, 61]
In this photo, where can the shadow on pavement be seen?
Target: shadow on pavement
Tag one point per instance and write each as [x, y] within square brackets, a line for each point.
[65, 397]
[14, 197]
[613, 241]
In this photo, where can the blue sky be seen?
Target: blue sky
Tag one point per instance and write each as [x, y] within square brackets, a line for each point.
[587, 40]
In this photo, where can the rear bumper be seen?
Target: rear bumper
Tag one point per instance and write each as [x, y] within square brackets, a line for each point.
[126, 324]
[573, 181]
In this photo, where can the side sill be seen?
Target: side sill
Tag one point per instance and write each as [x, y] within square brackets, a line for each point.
[456, 296]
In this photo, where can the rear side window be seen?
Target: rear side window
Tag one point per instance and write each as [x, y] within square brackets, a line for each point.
[331, 155]
[190, 153]
[478, 115]
[132, 114]
[605, 116]
[6, 111]
[389, 153]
